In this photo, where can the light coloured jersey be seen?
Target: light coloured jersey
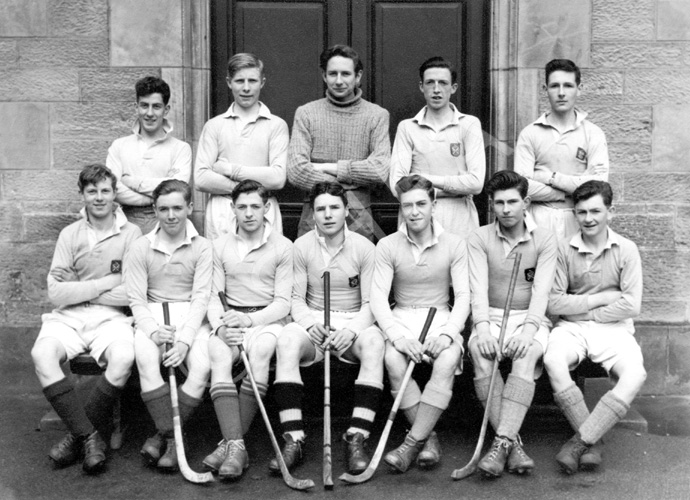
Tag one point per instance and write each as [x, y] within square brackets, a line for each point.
[153, 275]
[140, 167]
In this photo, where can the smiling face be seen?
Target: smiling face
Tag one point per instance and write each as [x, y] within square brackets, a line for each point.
[99, 199]
[246, 85]
[562, 91]
[593, 216]
[509, 207]
[250, 210]
[151, 111]
[329, 214]
[341, 79]
[172, 212]
[437, 87]
[417, 210]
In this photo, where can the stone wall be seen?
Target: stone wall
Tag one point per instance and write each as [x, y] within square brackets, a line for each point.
[67, 73]
[635, 56]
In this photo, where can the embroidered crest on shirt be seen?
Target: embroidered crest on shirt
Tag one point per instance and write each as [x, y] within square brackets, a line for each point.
[455, 149]
[354, 281]
[116, 266]
[529, 274]
[581, 154]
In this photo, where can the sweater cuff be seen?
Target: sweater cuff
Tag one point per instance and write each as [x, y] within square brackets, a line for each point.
[187, 335]
[344, 172]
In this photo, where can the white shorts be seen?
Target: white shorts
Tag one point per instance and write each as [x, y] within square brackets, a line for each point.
[603, 343]
[560, 221]
[514, 327]
[412, 320]
[86, 328]
[339, 320]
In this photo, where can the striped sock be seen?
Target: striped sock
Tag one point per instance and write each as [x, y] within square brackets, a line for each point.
[289, 401]
[367, 395]
[248, 403]
[227, 406]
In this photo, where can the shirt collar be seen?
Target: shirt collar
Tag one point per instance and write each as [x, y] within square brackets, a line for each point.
[579, 118]
[268, 229]
[167, 128]
[190, 234]
[120, 218]
[264, 112]
[420, 117]
[612, 238]
[530, 226]
[322, 239]
[436, 230]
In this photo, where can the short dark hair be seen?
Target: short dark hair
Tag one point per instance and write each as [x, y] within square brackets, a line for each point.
[332, 188]
[169, 186]
[415, 181]
[438, 62]
[249, 186]
[244, 60]
[507, 179]
[95, 173]
[561, 65]
[342, 51]
[152, 85]
[592, 188]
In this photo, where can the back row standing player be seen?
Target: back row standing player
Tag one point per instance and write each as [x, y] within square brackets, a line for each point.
[445, 146]
[246, 142]
[560, 151]
[149, 156]
[342, 138]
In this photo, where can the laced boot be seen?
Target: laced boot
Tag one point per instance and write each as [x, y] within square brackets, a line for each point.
[168, 461]
[357, 458]
[215, 459]
[402, 457]
[430, 455]
[292, 454]
[235, 462]
[67, 451]
[591, 459]
[494, 462]
[94, 453]
[569, 456]
[151, 451]
[518, 461]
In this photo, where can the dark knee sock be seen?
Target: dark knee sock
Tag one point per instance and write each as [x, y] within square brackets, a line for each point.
[187, 405]
[367, 395]
[62, 396]
[159, 406]
[99, 406]
[289, 401]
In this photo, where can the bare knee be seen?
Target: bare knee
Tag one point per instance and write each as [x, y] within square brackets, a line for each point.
[482, 366]
[47, 356]
[119, 358]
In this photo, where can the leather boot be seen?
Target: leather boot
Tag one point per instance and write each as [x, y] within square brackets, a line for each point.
[402, 457]
[430, 455]
[236, 461]
[292, 454]
[215, 459]
[357, 458]
[151, 451]
[518, 461]
[168, 461]
[591, 459]
[94, 453]
[67, 451]
[494, 462]
[569, 456]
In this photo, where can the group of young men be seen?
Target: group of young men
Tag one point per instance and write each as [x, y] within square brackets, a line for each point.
[553, 211]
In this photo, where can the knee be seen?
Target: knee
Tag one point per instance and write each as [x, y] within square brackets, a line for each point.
[372, 348]
[263, 350]
[288, 346]
[218, 350]
[120, 358]
[45, 356]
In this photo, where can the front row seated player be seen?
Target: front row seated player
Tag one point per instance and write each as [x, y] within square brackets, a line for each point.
[492, 250]
[253, 268]
[421, 262]
[85, 282]
[597, 293]
[173, 264]
[349, 257]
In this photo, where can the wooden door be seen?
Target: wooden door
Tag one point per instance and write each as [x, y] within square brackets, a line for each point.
[393, 38]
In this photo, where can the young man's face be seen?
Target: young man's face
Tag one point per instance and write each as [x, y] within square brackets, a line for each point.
[563, 91]
[329, 214]
[417, 209]
[250, 210]
[151, 111]
[593, 216]
[172, 212]
[437, 87]
[246, 85]
[99, 199]
[341, 79]
[509, 207]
